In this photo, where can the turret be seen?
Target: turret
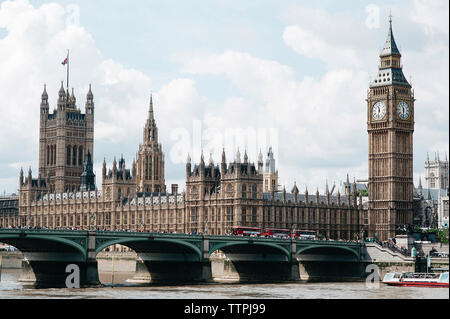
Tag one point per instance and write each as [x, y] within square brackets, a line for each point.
[114, 169]
[327, 193]
[348, 191]
[21, 177]
[133, 169]
[72, 100]
[294, 191]
[44, 101]
[223, 164]
[260, 162]
[89, 102]
[104, 169]
[188, 166]
[211, 161]
[61, 96]
[354, 193]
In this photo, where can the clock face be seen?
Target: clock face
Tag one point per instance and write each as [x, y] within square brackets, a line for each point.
[378, 111]
[403, 110]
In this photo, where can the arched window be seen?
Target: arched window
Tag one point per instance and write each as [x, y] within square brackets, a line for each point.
[244, 191]
[80, 156]
[194, 192]
[432, 181]
[254, 192]
[146, 168]
[254, 215]
[74, 155]
[229, 191]
[68, 155]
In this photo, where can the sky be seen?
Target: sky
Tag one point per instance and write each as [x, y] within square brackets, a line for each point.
[239, 75]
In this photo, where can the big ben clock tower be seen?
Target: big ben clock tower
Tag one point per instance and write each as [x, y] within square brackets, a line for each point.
[390, 125]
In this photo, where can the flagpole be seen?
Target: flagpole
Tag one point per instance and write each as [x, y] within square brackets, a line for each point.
[68, 69]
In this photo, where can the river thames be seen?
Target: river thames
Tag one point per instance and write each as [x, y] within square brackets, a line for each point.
[10, 287]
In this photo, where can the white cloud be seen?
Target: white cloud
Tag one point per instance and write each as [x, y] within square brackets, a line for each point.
[432, 15]
[310, 45]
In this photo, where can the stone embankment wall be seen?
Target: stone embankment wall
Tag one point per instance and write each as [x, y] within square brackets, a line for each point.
[123, 261]
[11, 259]
[425, 248]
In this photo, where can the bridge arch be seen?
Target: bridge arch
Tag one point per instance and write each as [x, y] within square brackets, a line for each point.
[135, 243]
[23, 243]
[327, 252]
[272, 246]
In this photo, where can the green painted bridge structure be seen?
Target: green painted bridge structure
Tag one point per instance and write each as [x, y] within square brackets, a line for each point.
[171, 257]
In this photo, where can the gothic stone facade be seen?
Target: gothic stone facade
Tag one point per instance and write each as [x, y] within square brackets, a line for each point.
[238, 193]
[65, 137]
[216, 198]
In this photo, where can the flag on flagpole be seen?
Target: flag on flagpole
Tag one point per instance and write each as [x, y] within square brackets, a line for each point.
[66, 62]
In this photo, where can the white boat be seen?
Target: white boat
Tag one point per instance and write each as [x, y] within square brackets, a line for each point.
[416, 279]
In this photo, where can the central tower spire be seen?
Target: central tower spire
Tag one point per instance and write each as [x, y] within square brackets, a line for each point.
[150, 129]
[150, 161]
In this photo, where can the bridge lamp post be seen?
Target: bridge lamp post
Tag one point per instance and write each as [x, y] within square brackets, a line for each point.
[206, 226]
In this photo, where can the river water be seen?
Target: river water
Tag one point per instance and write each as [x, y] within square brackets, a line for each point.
[10, 287]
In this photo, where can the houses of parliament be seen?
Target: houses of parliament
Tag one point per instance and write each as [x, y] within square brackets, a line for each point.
[234, 192]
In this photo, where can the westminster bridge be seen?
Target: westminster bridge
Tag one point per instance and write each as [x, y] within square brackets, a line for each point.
[176, 257]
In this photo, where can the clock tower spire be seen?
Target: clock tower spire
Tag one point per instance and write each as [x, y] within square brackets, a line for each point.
[390, 125]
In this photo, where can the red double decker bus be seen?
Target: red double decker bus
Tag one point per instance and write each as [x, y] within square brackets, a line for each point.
[276, 233]
[246, 231]
[306, 234]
